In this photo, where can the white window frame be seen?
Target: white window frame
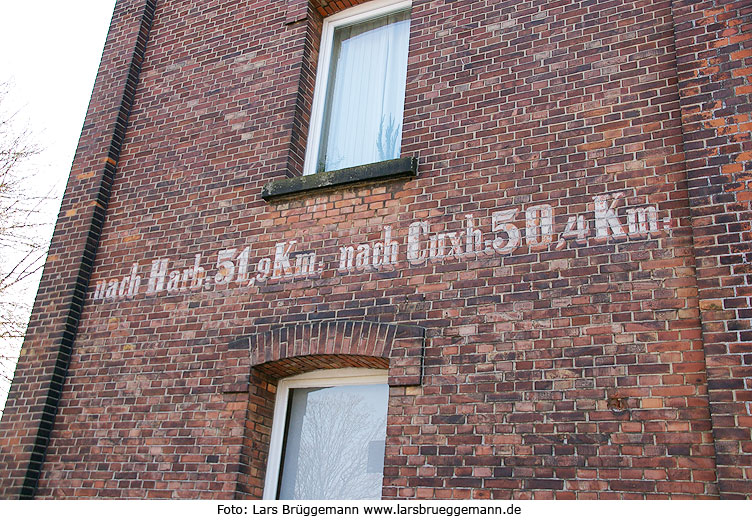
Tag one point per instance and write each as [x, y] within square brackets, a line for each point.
[352, 15]
[321, 378]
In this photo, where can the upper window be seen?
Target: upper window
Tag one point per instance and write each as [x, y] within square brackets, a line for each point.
[328, 436]
[360, 87]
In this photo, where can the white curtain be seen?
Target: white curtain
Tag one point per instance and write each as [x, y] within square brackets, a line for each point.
[366, 93]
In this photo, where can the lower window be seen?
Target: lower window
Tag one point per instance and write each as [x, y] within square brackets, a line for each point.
[328, 436]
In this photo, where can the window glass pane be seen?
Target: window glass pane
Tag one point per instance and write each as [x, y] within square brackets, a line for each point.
[365, 94]
[334, 443]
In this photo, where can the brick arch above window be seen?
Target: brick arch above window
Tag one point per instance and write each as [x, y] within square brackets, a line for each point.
[296, 8]
[296, 349]
[254, 365]
[330, 7]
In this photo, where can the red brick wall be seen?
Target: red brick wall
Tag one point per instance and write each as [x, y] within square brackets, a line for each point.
[714, 52]
[569, 368]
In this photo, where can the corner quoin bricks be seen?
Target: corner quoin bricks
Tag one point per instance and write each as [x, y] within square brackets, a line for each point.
[561, 294]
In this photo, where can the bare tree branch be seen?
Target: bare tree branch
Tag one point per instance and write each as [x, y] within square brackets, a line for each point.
[22, 244]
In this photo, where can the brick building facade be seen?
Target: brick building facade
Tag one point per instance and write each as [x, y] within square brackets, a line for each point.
[554, 273]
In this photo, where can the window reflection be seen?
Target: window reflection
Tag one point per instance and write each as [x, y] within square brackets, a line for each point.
[334, 445]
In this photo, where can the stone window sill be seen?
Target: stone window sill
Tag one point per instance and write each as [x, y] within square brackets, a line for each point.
[405, 168]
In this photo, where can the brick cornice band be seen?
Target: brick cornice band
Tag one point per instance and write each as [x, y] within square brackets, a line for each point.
[287, 351]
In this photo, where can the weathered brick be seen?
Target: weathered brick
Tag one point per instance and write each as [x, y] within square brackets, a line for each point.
[568, 366]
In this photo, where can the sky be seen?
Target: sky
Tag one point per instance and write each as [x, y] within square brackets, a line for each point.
[49, 59]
